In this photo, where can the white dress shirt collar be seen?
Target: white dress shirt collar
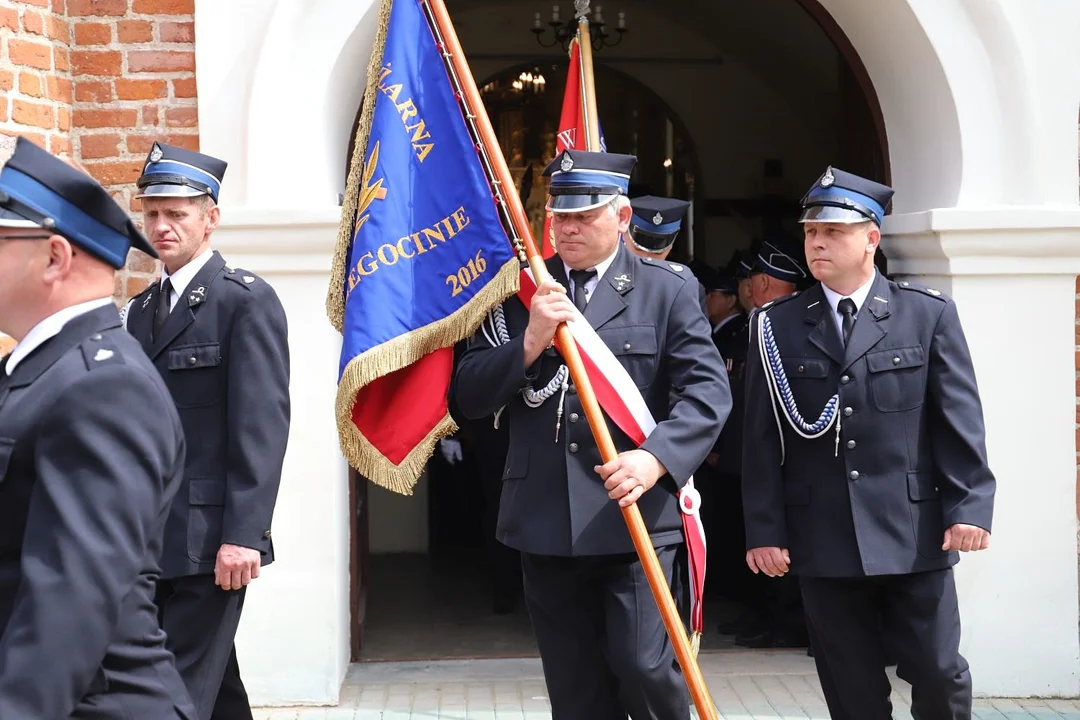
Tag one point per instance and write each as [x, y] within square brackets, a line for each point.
[600, 269]
[183, 277]
[49, 328]
[859, 296]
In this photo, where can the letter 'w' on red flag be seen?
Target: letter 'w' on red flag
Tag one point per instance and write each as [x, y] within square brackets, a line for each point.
[422, 254]
[572, 134]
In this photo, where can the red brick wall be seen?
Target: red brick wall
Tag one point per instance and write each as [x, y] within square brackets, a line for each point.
[101, 80]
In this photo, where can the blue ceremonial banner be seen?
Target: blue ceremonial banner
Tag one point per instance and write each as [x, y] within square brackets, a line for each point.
[422, 257]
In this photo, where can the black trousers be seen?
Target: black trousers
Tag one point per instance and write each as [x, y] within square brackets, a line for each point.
[602, 643]
[232, 701]
[200, 620]
[846, 617]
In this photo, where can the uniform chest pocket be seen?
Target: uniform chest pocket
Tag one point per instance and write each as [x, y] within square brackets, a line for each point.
[806, 369]
[897, 378]
[195, 377]
[7, 449]
[630, 339]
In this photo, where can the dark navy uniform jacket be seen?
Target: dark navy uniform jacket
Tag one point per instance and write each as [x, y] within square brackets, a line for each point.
[553, 502]
[224, 355]
[91, 456]
[731, 341]
[911, 456]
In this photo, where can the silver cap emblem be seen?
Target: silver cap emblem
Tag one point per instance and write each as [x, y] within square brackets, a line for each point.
[156, 154]
[657, 219]
[567, 163]
[828, 178]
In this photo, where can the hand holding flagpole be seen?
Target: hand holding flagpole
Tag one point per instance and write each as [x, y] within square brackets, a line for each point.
[502, 179]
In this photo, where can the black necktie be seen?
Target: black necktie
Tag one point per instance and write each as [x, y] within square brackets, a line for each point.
[847, 309]
[161, 312]
[579, 278]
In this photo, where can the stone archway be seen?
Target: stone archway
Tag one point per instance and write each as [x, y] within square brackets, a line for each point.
[978, 100]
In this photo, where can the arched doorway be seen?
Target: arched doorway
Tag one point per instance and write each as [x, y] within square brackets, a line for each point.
[748, 117]
[524, 102]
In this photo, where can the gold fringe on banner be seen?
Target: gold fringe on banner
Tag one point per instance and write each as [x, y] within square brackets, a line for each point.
[406, 349]
[335, 296]
[400, 352]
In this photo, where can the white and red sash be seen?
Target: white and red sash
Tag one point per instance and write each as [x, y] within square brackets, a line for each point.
[621, 400]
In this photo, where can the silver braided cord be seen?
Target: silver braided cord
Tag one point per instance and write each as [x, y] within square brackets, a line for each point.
[495, 332]
[780, 390]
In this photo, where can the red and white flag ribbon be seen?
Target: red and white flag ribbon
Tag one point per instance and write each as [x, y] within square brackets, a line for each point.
[621, 400]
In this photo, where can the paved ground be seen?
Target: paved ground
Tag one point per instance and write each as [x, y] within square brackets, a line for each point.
[762, 685]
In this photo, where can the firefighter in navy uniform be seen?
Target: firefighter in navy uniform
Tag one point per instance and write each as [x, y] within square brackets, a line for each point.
[721, 492]
[870, 474]
[218, 337]
[655, 222]
[602, 642]
[91, 456]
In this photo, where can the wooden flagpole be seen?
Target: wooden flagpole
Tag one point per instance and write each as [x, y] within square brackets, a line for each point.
[658, 584]
[588, 82]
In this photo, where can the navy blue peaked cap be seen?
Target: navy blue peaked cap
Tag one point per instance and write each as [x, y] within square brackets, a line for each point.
[782, 259]
[843, 197]
[39, 190]
[172, 171]
[582, 180]
[656, 221]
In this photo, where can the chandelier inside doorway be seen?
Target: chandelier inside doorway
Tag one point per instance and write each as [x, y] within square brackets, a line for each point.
[563, 31]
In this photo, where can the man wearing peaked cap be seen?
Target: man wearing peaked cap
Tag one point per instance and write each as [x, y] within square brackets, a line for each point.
[870, 476]
[654, 225]
[91, 456]
[602, 641]
[778, 270]
[218, 336]
[654, 238]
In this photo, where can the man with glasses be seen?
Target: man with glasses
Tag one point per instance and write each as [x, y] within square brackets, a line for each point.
[91, 456]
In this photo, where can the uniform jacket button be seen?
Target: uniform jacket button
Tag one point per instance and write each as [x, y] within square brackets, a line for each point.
[850, 444]
[847, 412]
[896, 361]
[266, 534]
[95, 336]
[854, 474]
[802, 368]
[626, 346]
[573, 447]
[845, 379]
[192, 360]
[574, 417]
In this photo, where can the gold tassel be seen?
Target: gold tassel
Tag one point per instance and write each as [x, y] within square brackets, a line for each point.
[695, 642]
[400, 352]
[335, 298]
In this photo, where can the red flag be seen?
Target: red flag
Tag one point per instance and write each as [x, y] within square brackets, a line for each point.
[572, 135]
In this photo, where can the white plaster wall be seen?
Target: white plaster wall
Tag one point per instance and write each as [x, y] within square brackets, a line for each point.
[980, 100]
[293, 638]
[1018, 600]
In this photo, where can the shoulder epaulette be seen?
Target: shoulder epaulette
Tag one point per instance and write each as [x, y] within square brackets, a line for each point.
[777, 301]
[905, 285]
[680, 271]
[99, 352]
[242, 277]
